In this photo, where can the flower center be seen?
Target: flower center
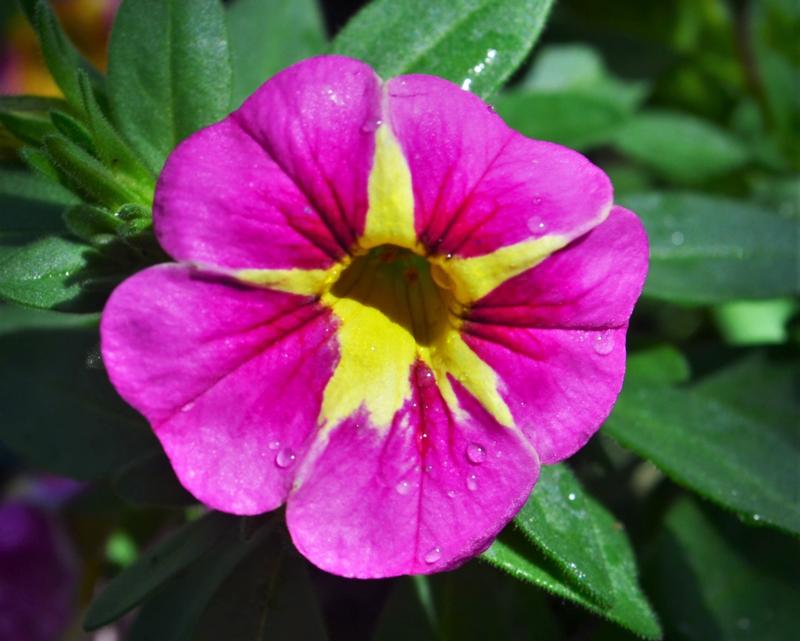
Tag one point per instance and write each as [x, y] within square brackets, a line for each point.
[393, 285]
[395, 309]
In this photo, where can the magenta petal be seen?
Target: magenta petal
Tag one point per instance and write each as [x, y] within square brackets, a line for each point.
[477, 184]
[280, 183]
[556, 334]
[230, 377]
[424, 497]
[593, 283]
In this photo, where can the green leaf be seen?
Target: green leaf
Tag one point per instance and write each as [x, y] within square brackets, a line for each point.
[174, 612]
[740, 462]
[19, 319]
[579, 69]
[555, 518]
[41, 164]
[61, 56]
[157, 566]
[570, 98]
[773, 28]
[761, 388]
[92, 224]
[27, 186]
[705, 249]
[568, 117]
[630, 608]
[111, 148]
[29, 128]
[70, 128]
[169, 72]
[267, 36]
[60, 413]
[714, 579]
[268, 597]
[150, 480]
[659, 364]
[45, 273]
[680, 147]
[474, 43]
[86, 174]
[755, 322]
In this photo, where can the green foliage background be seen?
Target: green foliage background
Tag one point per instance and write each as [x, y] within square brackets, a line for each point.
[680, 519]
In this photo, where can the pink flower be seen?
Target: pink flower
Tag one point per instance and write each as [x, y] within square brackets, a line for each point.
[388, 310]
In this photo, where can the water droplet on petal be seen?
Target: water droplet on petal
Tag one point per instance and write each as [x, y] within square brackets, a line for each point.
[274, 445]
[466, 84]
[433, 555]
[188, 407]
[451, 494]
[403, 487]
[604, 342]
[285, 458]
[371, 125]
[476, 453]
[472, 482]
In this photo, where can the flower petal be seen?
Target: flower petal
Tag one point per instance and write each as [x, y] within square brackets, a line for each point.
[423, 496]
[478, 185]
[592, 284]
[229, 376]
[281, 182]
[555, 335]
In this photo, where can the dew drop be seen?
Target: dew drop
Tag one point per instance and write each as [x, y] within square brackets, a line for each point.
[371, 125]
[756, 517]
[677, 238]
[472, 482]
[285, 458]
[571, 496]
[451, 494]
[535, 224]
[428, 468]
[433, 555]
[604, 342]
[188, 407]
[403, 487]
[274, 445]
[466, 84]
[476, 453]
